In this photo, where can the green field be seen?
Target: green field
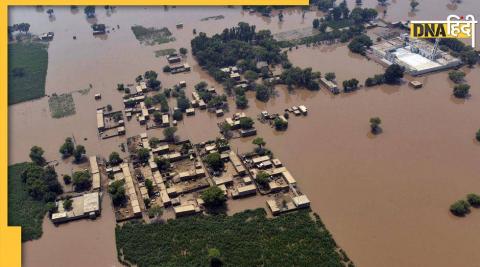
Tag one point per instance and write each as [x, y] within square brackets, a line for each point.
[61, 105]
[27, 70]
[152, 36]
[22, 209]
[244, 239]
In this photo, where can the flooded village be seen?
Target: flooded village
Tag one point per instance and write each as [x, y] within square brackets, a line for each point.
[383, 197]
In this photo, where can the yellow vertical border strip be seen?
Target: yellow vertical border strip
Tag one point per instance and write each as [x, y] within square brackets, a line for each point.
[10, 237]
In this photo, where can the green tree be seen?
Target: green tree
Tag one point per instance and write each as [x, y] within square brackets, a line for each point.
[82, 180]
[153, 142]
[117, 192]
[177, 115]
[360, 43]
[250, 75]
[155, 211]
[461, 90]
[477, 135]
[456, 76]
[214, 161]
[280, 124]
[259, 142]
[241, 101]
[79, 152]
[375, 124]
[163, 164]
[143, 154]
[473, 200]
[169, 133]
[393, 73]
[183, 51]
[470, 57]
[330, 76]
[114, 159]
[150, 75]
[246, 123]
[183, 103]
[89, 11]
[262, 179]
[36, 155]
[67, 148]
[460, 208]
[67, 203]
[67, 179]
[262, 93]
[149, 186]
[316, 23]
[157, 117]
[213, 197]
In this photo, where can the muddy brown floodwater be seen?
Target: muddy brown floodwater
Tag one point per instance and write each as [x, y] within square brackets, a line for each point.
[385, 198]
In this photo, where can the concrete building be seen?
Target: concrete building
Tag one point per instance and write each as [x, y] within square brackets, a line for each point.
[83, 206]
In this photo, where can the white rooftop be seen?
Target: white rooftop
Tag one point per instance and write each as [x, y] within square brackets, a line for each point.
[414, 61]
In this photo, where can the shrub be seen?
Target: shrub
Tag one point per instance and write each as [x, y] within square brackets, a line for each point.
[246, 123]
[456, 76]
[82, 180]
[460, 208]
[461, 90]
[280, 124]
[473, 200]
[213, 197]
[214, 161]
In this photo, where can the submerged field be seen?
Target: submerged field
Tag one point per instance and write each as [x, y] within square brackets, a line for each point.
[27, 70]
[244, 239]
[22, 209]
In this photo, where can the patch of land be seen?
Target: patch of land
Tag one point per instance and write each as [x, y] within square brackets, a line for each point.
[27, 70]
[22, 209]
[165, 52]
[152, 36]
[295, 34]
[212, 17]
[245, 239]
[61, 105]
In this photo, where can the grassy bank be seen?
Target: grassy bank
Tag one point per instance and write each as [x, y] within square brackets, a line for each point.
[27, 70]
[22, 209]
[245, 239]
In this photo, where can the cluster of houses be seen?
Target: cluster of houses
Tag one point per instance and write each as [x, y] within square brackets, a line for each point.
[235, 125]
[110, 123]
[176, 65]
[83, 205]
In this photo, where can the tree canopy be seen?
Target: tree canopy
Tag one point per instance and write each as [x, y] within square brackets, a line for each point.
[213, 196]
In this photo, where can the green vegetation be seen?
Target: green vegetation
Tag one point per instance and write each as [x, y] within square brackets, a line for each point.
[67, 203]
[456, 76]
[360, 43]
[67, 148]
[117, 192]
[61, 105]
[164, 52]
[162, 163]
[375, 125]
[414, 4]
[280, 124]
[241, 45]
[27, 70]
[477, 135]
[246, 123]
[82, 180]
[350, 85]
[294, 239]
[152, 36]
[36, 155]
[330, 76]
[114, 159]
[26, 205]
[460, 208]
[67, 179]
[473, 200]
[262, 179]
[143, 154]
[241, 101]
[79, 153]
[461, 90]
[262, 93]
[213, 197]
[301, 78]
[169, 133]
[377, 79]
[393, 73]
[214, 161]
[183, 50]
